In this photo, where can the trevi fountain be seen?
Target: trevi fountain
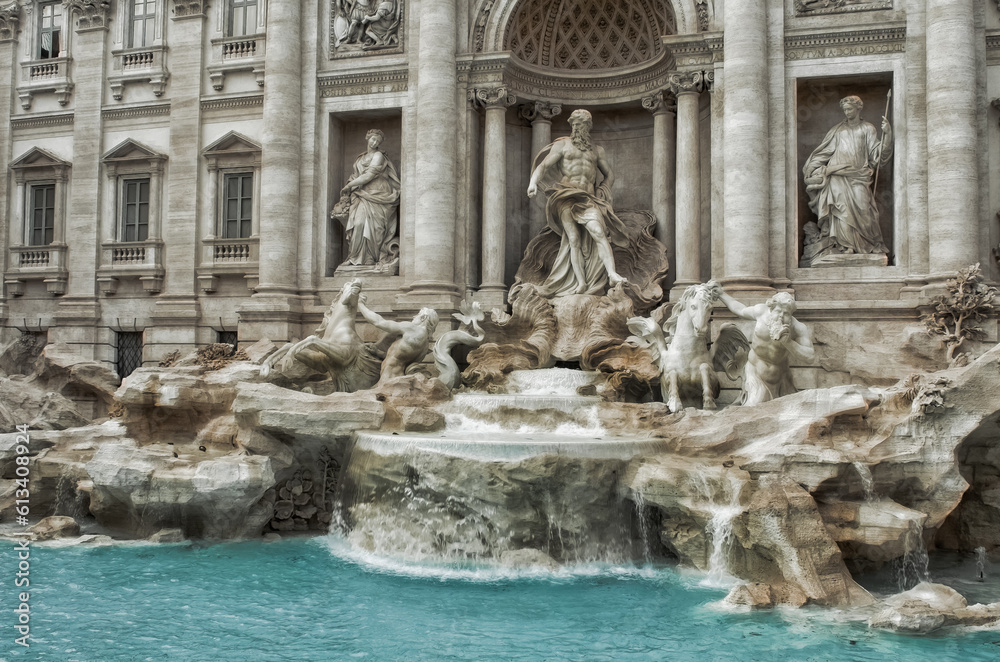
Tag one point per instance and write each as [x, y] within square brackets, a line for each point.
[712, 377]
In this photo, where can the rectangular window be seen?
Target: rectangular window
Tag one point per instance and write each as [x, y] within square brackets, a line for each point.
[41, 214]
[237, 212]
[142, 23]
[129, 352]
[242, 18]
[50, 26]
[135, 209]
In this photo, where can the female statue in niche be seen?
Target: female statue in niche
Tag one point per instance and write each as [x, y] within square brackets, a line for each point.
[369, 209]
[838, 177]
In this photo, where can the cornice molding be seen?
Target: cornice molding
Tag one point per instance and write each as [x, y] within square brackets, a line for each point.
[376, 81]
[233, 103]
[130, 112]
[41, 121]
[846, 43]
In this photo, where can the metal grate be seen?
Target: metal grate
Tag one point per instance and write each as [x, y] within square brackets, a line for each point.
[229, 338]
[129, 352]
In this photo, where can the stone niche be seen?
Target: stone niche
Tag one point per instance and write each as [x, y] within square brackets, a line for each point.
[347, 143]
[817, 110]
[625, 133]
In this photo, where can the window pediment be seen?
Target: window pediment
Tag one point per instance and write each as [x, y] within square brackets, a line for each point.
[232, 144]
[36, 157]
[131, 151]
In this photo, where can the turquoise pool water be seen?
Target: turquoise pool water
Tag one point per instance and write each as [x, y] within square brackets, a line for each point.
[315, 600]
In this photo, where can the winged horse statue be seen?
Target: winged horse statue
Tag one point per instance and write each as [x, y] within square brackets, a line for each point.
[680, 348]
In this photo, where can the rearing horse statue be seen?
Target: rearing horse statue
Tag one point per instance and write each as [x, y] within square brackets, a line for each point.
[335, 351]
[680, 348]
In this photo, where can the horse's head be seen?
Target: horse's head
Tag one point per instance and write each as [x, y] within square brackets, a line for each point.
[692, 311]
[350, 293]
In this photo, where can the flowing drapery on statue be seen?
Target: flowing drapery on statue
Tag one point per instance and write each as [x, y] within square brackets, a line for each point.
[838, 177]
[567, 199]
[370, 207]
[580, 211]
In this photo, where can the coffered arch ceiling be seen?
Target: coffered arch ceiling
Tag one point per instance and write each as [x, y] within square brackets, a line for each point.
[588, 35]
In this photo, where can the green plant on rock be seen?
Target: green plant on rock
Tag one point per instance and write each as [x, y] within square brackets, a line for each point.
[956, 315]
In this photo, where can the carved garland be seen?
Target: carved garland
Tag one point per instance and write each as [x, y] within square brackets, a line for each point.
[702, 15]
[90, 14]
[10, 21]
[839, 6]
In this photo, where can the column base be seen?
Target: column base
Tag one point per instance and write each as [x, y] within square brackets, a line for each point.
[913, 287]
[935, 285]
[444, 297]
[277, 317]
[677, 289]
[492, 296]
[749, 285]
[75, 323]
[174, 328]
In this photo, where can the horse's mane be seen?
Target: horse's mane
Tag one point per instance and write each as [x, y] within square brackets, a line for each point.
[337, 303]
[670, 326]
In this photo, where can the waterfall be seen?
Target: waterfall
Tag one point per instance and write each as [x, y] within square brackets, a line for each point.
[912, 568]
[720, 529]
[867, 481]
[645, 530]
[981, 563]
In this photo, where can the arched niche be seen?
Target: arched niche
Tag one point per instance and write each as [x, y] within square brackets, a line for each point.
[492, 17]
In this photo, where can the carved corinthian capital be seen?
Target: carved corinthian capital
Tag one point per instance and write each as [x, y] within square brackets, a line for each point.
[540, 111]
[10, 21]
[90, 14]
[184, 8]
[691, 82]
[660, 102]
[492, 97]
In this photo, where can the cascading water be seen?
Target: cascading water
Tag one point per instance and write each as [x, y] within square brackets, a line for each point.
[912, 568]
[720, 527]
[981, 563]
[867, 481]
[529, 470]
[645, 526]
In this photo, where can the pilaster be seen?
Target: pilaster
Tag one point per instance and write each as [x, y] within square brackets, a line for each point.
[79, 309]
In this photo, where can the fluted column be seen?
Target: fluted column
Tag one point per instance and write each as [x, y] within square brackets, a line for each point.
[280, 157]
[747, 149]
[952, 142]
[687, 248]
[540, 114]
[663, 106]
[496, 101]
[433, 278]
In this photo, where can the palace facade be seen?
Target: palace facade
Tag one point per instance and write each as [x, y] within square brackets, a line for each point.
[171, 165]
